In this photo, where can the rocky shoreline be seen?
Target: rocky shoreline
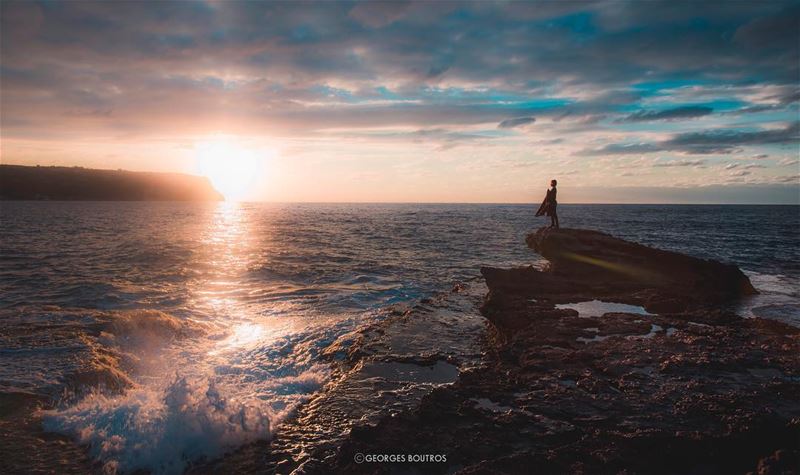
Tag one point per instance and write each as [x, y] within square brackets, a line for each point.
[517, 380]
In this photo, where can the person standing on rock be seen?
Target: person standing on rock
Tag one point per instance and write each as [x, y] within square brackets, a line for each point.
[549, 205]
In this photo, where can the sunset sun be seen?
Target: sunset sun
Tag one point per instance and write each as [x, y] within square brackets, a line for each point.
[231, 168]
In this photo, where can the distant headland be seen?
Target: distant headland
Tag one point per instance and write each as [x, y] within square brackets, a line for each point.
[19, 182]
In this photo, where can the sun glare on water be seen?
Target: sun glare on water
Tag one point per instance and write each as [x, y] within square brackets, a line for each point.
[231, 168]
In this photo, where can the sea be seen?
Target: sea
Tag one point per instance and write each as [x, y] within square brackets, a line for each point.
[154, 334]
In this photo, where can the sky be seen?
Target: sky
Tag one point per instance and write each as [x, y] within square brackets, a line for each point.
[640, 101]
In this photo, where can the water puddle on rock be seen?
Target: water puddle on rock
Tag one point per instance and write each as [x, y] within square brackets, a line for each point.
[598, 308]
[654, 330]
[593, 339]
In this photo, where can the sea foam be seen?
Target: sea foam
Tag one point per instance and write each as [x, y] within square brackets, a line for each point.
[163, 429]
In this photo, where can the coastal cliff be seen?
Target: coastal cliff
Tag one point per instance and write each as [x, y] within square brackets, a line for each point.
[614, 358]
[19, 182]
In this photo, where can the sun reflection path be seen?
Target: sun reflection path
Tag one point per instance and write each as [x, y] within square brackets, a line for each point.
[221, 293]
[243, 336]
[226, 252]
[220, 289]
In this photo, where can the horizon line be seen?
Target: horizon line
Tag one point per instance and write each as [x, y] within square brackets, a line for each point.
[533, 203]
[515, 203]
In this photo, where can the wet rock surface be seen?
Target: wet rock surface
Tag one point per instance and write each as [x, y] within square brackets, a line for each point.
[678, 387]
[588, 264]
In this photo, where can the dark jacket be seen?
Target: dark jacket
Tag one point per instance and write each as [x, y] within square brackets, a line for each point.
[549, 204]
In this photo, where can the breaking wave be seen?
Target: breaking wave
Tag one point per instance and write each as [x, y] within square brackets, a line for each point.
[158, 392]
[163, 429]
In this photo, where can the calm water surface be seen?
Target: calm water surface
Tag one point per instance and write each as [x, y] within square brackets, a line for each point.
[181, 330]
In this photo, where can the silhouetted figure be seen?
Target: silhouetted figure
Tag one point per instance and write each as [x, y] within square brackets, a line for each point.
[549, 205]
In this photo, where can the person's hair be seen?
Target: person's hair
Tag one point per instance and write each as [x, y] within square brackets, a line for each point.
[553, 182]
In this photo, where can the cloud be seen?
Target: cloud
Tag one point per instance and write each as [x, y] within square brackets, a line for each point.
[768, 31]
[624, 149]
[686, 112]
[792, 179]
[680, 163]
[726, 141]
[516, 122]
[722, 141]
[748, 166]
[442, 138]
[379, 14]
